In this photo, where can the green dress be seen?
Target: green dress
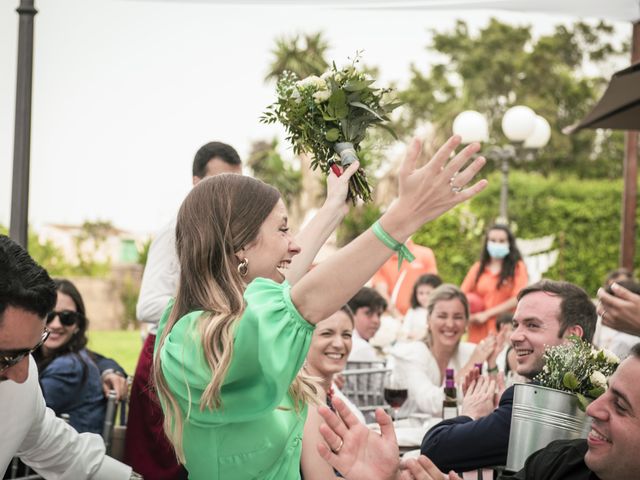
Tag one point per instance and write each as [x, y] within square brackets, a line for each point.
[256, 434]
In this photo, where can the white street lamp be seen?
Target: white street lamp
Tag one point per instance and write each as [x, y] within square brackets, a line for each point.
[518, 123]
[521, 126]
[541, 134]
[471, 126]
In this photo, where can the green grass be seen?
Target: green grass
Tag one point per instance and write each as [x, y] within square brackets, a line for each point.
[122, 345]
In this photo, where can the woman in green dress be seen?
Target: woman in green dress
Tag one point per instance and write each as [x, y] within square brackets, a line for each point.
[230, 348]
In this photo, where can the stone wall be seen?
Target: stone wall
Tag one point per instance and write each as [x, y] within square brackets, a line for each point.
[103, 297]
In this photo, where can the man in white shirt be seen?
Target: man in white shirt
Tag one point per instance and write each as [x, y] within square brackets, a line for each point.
[29, 429]
[367, 306]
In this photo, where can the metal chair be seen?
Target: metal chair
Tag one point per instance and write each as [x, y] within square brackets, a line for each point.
[364, 387]
[113, 433]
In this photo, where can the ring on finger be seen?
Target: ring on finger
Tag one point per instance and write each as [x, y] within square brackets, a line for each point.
[454, 189]
[336, 450]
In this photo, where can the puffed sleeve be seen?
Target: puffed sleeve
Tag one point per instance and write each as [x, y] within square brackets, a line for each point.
[271, 341]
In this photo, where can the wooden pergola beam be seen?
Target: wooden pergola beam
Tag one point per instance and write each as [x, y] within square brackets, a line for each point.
[630, 175]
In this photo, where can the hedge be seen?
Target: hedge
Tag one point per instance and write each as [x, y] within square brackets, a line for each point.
[584, 215]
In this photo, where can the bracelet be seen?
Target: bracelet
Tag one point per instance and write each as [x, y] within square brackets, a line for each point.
[403, 252]
[491, 370]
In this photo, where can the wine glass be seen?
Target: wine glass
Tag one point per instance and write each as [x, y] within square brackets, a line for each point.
[395, 392]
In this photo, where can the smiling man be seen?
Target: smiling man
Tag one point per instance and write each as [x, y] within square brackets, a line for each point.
[548, 312]
[610, 450]
[29, 429]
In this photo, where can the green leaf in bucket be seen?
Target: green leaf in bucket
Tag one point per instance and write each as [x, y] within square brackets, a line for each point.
[570, 381]
[583, 402]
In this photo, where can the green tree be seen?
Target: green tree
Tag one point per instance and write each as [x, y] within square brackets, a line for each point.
[88, 242]
[503, 65]
[268, 165]
[303, 55]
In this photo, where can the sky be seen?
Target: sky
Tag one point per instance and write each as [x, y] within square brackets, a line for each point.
[126, 91]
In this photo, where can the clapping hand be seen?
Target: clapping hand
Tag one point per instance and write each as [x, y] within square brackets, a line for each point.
[479, 401]
[357, 452]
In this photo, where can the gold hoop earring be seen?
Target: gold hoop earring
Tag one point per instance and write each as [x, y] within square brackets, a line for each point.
[243, 267]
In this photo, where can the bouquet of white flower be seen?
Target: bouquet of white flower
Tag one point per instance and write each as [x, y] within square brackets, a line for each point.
[328, 116]
[578, 368]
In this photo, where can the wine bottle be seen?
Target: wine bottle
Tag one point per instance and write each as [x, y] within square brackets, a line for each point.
[450, 402]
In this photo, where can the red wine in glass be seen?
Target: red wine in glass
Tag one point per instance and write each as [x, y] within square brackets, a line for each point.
[395, 397]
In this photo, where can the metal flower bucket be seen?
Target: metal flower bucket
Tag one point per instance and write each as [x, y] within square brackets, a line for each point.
[541, 415]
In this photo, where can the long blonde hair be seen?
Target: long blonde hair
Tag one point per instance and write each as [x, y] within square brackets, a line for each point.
[219, 217]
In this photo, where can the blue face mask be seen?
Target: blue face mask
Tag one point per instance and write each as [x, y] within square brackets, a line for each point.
[498, 250]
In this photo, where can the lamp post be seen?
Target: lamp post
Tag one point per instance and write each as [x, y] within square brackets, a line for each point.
[525, 131]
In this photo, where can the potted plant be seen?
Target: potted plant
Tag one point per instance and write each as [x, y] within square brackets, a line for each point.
[552, 407]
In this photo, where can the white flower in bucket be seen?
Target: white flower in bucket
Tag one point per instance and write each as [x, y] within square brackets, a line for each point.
[598, 379]
[576, 367]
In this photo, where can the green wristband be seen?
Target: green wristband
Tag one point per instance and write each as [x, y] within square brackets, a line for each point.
[403, 252]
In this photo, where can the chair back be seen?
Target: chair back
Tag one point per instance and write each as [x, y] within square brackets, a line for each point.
[364, 387]
[115, 426]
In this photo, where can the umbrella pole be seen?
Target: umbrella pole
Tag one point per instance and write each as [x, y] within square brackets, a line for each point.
[18, 227]
[629, 195]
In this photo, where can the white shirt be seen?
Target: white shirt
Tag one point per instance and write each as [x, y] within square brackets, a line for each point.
[414, 324]
[361, 350]
[31, 431]
[414, 365]
[161, 275]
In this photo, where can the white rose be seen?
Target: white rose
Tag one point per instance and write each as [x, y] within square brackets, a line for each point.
[610, 356]
[321, 96]
[598, 379]
[326, 75]
[309, 81]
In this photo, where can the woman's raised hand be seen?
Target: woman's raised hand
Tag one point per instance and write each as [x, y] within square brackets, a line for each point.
[429, 191]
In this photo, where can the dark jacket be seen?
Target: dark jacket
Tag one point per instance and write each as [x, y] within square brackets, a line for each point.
[560, 460]
[71, 384]
[463, 444]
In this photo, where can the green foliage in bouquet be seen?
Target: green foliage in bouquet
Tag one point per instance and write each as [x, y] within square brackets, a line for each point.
[338, 107]
[578, 368]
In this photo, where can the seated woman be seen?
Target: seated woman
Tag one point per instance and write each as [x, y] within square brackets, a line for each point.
[421, 365]
[69, 378]
[328, 353]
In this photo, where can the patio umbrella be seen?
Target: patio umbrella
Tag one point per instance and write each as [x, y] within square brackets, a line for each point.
[619, 107]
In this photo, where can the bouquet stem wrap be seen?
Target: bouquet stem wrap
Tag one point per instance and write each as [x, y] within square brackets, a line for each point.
[347, 153]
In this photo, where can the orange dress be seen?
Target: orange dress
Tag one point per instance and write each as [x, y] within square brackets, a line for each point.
[399, 284]
[492, 296]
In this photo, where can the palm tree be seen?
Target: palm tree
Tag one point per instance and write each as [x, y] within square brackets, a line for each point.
[303, 55]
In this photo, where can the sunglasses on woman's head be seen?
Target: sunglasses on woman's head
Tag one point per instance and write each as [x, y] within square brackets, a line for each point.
[67, 317]
[9, 360]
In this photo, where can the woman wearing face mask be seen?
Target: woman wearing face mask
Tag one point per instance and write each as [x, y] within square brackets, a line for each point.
[69, 378]
[496, 278]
